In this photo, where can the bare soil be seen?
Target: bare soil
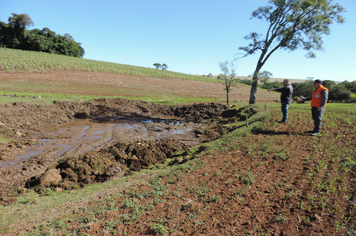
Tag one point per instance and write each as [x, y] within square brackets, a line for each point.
[111, 84]
[101, 139]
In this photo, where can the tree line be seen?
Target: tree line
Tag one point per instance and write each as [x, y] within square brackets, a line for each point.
[344, 91]
[15, 34]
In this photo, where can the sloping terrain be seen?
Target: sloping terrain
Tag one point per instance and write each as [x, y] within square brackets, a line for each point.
[112, 84]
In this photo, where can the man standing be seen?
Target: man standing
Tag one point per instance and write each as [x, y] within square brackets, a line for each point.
[318, 104]
[286, 98]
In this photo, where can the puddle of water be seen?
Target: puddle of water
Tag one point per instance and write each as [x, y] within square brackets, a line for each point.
[83, 134]
[8, 164]
[180, 131]
[94, 137]
[29, 155]
[91, 131]
[99, 132]
[64, 150]
[22, 158]
[111, 128]
[43, 140]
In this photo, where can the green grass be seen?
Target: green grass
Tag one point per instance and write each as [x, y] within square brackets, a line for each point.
[2, 139]
[7, 97]
[13, 60]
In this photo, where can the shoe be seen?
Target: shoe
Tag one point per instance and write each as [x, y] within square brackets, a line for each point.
[282, 122]
[314, 134]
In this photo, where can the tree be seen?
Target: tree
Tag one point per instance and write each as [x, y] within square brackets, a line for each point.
[293, 24]
[157, 65]
[339, 93]
[19, 23]
[228, 74]
[164, 66]
[263, 76]
[303, 89]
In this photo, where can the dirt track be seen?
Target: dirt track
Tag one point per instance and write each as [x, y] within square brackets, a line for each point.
[118, 135]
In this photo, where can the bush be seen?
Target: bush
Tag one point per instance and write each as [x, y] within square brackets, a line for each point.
[353, 97]
[339, 93]
[303, 89]
[245, 81]
[274, 84]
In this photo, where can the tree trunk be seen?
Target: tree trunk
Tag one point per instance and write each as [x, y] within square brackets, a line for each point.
[253, 91]
[254, 84]
[227, 98]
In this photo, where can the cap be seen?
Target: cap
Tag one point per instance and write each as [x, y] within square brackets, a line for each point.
[317, 81]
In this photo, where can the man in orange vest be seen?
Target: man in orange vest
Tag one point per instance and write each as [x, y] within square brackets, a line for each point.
[318, 104]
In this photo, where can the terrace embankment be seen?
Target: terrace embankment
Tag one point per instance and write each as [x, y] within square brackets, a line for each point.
[68, 145]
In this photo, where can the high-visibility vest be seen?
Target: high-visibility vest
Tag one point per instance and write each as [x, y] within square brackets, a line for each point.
[317, 97]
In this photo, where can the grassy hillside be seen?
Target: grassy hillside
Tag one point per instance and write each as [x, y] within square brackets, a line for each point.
[33, 74]
[12, 60]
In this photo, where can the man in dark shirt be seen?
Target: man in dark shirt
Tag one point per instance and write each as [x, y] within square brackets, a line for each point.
[286, 98]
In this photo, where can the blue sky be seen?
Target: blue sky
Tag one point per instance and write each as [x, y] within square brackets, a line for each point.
[189, 36]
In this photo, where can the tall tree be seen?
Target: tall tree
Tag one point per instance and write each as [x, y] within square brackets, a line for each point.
[293, 24]
[228, 76]
[19, 23]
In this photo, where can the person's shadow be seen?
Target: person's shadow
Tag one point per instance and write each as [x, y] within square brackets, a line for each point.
[273, 133]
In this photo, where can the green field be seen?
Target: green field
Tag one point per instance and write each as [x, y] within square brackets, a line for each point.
[12, 60]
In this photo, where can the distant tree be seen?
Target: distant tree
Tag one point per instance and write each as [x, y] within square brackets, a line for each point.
[46, 40]
[164, 66]
[269, 85]
[19, 23]
[228, 74]
[350, 85]
[209, 75]
[15, 35]
[6, 34]
[157, 65]
[329, 84]
[293, 24]
[339, 93]
[263, 76]
[246, 81]
[69, 37]
[303, 89]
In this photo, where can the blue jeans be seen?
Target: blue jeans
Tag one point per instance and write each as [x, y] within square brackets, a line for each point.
[284, 108]
[317, 116]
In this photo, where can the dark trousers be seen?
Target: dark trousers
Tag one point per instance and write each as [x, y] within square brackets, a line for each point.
[284, 108]
[317, 117]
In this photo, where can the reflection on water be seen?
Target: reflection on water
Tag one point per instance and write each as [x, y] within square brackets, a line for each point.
[21, 158]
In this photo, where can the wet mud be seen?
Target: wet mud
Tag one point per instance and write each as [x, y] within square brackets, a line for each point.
[68, 145]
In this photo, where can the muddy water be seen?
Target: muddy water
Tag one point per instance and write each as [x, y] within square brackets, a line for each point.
[84, 135]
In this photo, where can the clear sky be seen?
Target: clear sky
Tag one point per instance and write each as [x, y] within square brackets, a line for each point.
[190, 36]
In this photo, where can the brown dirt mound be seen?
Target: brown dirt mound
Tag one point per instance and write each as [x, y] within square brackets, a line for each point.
[109, 163]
